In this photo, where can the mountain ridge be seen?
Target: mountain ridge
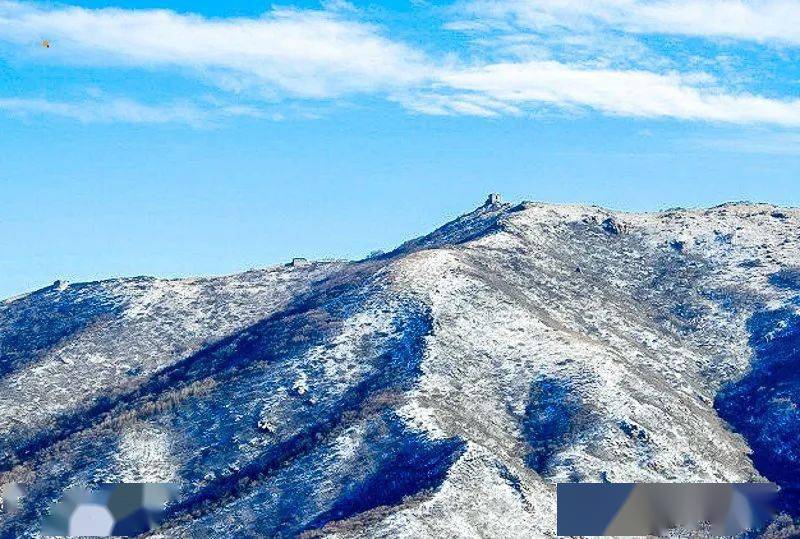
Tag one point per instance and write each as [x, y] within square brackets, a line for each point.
[451, 345]
[505, 206]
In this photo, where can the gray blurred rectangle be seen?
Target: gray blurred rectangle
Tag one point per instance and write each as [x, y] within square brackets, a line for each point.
[635, 509]
[109, 509]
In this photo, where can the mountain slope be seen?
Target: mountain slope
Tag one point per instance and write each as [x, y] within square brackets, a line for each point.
[438, 390]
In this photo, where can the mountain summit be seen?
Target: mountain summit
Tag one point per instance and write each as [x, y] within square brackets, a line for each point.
[439, 390]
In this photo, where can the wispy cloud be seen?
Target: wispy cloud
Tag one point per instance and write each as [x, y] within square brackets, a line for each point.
[758, 20]
[455, 103]
[307, 53]
[623, 93]
[123, 110]
[330, 54]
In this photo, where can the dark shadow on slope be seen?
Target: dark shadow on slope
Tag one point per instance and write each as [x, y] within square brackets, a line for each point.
[307, 321]
[34, 324]
[396, 463]
[554, 417]
[764, 405]
[787, 278]
[394, 368]
[388, 464]
[480, 222]
[243, 366]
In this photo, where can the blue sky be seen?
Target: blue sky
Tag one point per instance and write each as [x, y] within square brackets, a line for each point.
[191, 138]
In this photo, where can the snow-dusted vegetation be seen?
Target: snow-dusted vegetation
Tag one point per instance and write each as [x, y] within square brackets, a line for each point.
[439, 390]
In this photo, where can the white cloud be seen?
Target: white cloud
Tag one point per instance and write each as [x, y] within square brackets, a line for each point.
[764, 20]
[300, 52]
[311, 54]
[624, 93]
[457, 104]
[757, 20]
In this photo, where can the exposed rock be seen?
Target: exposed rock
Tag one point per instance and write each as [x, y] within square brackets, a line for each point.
[613, 226]
[300, 386]
[266, 425]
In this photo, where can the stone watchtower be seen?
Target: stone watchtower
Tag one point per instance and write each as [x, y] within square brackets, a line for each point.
[494, 199]
[60, 285]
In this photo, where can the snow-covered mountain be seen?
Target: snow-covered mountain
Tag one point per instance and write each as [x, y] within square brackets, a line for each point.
[439, 390]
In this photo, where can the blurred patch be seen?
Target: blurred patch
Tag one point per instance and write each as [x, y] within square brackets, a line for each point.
[595, 509]
[122, 509]
[10, 497]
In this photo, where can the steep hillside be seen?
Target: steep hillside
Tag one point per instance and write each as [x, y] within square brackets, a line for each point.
[439, 390]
